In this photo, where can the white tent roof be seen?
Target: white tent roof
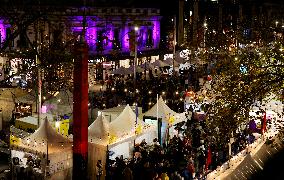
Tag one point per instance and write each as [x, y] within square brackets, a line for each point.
[34, 119]
[159, 63]
[180, 117]
[125, 122]
[147, 66]
[163, 110]
[170, 62]
[121, 70]
[138, 69]
[43, 135]
[98, 131]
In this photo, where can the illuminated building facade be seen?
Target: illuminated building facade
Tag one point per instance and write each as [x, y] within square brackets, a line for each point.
[107, 29]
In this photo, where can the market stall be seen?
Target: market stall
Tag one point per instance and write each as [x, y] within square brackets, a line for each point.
[112, 113]
[117, 137]
[30, 123]
[47, 146]
[166, 118]
[23, 110]
[98, 137]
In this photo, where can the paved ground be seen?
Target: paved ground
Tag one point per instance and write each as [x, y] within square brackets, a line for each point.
[259, 164]
[3, 166]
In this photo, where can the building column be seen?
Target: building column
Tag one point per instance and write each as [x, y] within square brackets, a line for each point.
[220, 18]
[195, 22]
[180, 23]
[80, 112]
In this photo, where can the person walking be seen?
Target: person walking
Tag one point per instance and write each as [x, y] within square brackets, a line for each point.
[99, 169]
[127, 173]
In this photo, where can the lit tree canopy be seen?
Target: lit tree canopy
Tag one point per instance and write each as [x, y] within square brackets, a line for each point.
[239, 80]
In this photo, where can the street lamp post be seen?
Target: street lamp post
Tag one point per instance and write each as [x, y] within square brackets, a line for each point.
[135, 53]
[204, 36]
[174, 45]
[136, 28]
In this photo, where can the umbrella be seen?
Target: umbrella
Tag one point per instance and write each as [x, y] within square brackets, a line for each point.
[169, 61]
[122, 71]
[159, 63]
[179, 59]
[138, 69]
[147, 66]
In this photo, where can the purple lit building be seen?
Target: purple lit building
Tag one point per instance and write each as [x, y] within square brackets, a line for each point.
[107, 29]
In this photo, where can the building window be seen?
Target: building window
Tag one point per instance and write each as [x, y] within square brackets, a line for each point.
[22, 42]
[145, 11]
[149, 41]
[8, 35]
[140, 41]
[116, 41]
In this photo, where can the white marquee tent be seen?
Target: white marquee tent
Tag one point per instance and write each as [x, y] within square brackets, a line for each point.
[98, 131]
[98, 140]
[160, 109]
[112, 113]
[45, 140]
[125, 123]
[122, 129]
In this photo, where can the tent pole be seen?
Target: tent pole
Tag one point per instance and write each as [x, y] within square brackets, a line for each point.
[47, 164]
[158, 115]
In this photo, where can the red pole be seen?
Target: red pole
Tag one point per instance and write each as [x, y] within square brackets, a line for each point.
[80, 112]
[263, 127]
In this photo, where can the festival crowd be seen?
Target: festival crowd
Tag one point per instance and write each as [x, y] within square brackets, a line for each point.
[191, 154]
[121, 89]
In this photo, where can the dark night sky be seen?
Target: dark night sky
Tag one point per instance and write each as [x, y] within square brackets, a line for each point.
[166, 6]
